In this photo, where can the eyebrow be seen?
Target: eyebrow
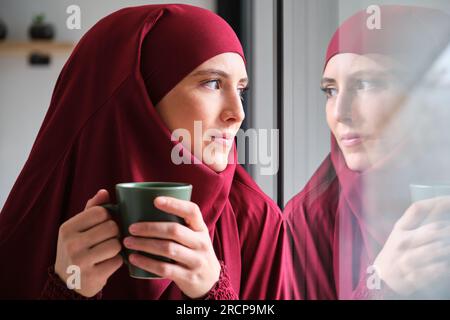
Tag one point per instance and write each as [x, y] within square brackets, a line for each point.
[326, 81]
[217, 72]
[357, 75]
[369, 73]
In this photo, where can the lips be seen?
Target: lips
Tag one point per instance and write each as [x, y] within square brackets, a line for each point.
[224, 138]
[351, 140]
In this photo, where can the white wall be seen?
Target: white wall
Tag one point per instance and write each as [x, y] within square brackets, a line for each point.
[18, 13]
[262, 113]
[25, 91]
[308, 27]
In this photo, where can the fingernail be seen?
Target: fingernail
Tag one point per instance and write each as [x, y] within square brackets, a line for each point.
[127, 241]
[161, 200]
[134, 228]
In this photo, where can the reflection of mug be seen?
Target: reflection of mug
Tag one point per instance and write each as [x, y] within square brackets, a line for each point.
[423, 192]
[135, 204]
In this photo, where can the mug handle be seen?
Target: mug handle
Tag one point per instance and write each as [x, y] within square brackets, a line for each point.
[113, 209]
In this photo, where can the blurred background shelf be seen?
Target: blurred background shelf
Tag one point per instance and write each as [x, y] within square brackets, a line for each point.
[27, 47]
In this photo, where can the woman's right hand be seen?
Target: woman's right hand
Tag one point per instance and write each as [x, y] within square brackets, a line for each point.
[416, 256]
[90, 241]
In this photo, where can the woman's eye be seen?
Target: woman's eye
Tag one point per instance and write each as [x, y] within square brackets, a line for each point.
[330, 92]
[242, 91]
[212, 84]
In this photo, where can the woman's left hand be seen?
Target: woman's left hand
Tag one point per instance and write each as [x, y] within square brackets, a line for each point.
[196, 269]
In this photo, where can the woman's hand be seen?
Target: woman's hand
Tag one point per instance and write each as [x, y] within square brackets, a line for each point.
[197, 269]
[416, 256]
[89, 241]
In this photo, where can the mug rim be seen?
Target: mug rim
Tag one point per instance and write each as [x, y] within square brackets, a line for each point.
[147, 185]
[429, 186]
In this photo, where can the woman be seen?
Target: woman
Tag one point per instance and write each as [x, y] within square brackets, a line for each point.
[353, 231]
[135, 77]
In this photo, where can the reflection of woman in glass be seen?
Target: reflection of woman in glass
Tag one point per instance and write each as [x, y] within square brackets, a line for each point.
[353, 231]
[138, 75]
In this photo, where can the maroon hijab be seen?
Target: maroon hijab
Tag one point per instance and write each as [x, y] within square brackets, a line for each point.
[332, 241]
[102, 129]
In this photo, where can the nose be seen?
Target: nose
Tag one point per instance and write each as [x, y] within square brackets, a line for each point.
[343, 108]
[233, 111]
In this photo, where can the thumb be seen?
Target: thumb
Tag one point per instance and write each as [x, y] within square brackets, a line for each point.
[101, 197]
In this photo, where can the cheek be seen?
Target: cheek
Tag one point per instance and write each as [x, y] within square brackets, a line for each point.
[198, 117]
[182, 113]
[199, 107]
[331, 121]
[380, 113]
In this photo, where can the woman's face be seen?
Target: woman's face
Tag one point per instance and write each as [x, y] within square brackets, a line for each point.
[210, 97]
[364, 95]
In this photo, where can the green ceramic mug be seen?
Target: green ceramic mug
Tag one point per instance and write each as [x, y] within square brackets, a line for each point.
[135, 204]
[428, 191]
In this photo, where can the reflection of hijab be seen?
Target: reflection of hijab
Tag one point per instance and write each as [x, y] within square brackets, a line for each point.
[333, 243]
[102, 129]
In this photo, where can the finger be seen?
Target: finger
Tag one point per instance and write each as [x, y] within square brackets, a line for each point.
[166, 230]
[432, 232]
[100, 233]
[163, 269]
[441, 211]
[187, 210]
[88, 219]
[104, 251]
[434, 272]
[108, 267]
[101, 197]
[430, 254]
[164, 248]
[419, 211]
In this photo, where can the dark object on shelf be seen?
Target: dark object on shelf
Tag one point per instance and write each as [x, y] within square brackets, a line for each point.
[39, 59]
[41, 30]
[3, 30]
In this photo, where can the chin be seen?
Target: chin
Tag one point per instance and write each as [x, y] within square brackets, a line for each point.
[357, 162]
[217, 164]
[218, 167]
